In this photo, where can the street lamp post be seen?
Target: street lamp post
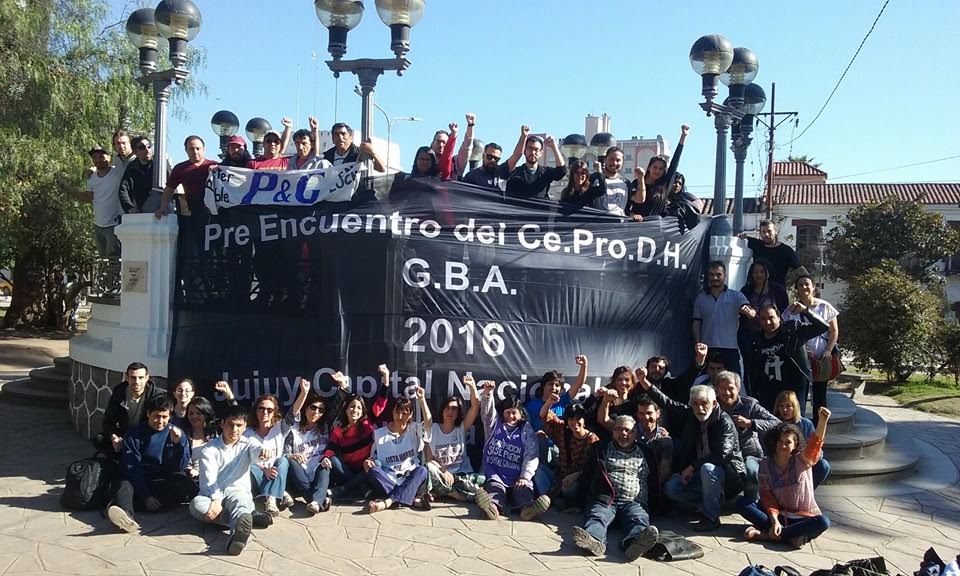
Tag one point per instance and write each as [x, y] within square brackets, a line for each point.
[225, 124]
[341, 16]
[256, 129]
[573, 147]
[179, 22]
[754, 99]
[390, 123]
[600, 143]
[713, 58]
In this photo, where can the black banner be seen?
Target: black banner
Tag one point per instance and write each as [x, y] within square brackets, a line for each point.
[446, 280]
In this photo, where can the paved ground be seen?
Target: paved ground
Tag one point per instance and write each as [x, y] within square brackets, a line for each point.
[36, 536]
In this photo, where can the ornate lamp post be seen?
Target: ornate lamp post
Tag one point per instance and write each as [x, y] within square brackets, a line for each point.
[179, 22]
[714, 58]
[341, 16]
[573, 146]
[754, 100]
[225, 124]
[600, 143]
[256, 129]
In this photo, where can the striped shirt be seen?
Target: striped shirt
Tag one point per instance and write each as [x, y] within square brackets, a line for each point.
[628, 474]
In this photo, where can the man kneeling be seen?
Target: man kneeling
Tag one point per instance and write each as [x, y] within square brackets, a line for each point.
[225, 495]
[616, 483]
[154, 458]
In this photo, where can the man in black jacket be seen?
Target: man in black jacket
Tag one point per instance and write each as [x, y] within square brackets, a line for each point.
[615, 480]
[751, 419]
[126, 408]
[710, 463]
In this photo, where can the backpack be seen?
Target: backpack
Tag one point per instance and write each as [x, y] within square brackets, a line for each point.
[89, 483]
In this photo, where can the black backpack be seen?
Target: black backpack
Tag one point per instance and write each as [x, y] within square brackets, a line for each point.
[89, 483]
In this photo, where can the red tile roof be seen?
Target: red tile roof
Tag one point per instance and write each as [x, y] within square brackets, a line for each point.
[935, 193]
[750, 205]
[796, 169]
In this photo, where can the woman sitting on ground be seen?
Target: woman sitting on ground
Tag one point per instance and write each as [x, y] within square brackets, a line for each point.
[788, 409]
[200, 424]
[573, 440]
[352, 439]
[612, 400]
[451, 473]
[269, 428]
[510, 458]
[306, 442]
[787, 511]
[394, 471]
[182, 395]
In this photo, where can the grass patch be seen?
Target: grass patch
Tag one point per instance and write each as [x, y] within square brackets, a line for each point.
[939, 396]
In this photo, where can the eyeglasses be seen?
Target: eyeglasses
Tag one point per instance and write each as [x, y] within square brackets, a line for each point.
[492, 158]
[143, 146]
[316, 407]
[266, 409]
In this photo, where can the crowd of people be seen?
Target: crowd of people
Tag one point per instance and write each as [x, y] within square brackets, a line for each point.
[122, 182]
[728, 430]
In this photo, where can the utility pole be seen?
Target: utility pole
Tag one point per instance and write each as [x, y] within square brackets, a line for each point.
[771, 129]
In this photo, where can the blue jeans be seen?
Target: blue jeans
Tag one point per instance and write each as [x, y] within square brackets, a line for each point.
[820, 471]
[235, 504]
[404, 491]
[632, 517]
[704, 489]
[344, 480]
[808, 528]
[751, 486]
[263, 486]
[314, 488]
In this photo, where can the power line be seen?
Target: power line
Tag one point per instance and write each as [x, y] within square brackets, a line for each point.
[842, 76]
[897, 167]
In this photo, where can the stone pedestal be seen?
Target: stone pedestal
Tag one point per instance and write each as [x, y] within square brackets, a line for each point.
[137, 330]
[730, 250]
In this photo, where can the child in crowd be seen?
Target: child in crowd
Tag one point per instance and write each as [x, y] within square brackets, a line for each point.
[509, 458]
[573, 440]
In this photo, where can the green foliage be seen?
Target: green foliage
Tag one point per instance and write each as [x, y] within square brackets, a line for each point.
[894, 230]
[890, 320]
[803, 158]
[950, 348]
[67, 83]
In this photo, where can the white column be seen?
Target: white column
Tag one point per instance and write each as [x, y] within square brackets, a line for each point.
[733, 252]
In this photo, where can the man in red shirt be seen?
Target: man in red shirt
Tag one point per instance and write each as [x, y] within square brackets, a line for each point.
[273, 146]
[192, 174]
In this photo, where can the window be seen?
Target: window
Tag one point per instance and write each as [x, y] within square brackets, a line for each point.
[810, 246]
[952, 266]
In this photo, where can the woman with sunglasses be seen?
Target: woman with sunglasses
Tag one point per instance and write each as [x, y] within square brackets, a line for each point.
[268, 427]
[657, 179]
[352, 439]
[305, 443]
[394, 471]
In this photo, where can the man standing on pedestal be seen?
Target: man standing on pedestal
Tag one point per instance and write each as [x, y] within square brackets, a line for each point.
[716, 316]
[781, 257]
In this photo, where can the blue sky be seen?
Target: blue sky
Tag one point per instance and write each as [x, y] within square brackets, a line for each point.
[550, 63]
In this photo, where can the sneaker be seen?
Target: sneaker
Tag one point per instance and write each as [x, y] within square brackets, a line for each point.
[286, 501]
[585, 541]
[535, 508]
[262, 520]
[642, 543]
[706, 525]
[122, 520]
[485, 503]
[270, 506]
[313, 507]
[240, 535]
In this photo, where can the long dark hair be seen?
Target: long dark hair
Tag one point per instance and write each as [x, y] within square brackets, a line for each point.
[762, 263]
[434, 168]
[571, 191]
[203, 406]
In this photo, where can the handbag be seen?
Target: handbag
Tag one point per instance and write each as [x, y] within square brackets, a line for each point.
[671, 546]
[826, 369]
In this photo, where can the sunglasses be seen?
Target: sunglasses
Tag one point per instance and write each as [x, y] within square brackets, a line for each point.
[317, 407]
[492, 158]
[143, 146]
[266, 409]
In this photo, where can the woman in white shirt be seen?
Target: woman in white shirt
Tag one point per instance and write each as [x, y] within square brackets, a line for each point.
[451, 473]
[394, 471]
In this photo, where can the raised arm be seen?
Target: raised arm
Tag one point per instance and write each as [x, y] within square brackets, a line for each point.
[301, 396]
[582, 362]
[223, 388]
[466, 148]
[471, 416]
[518, 149]
[675, 161]
[427, 417]
[550, 141]
[640, 186]
[488, 412]
[445, 160]
[603, 411]
[315, 135]
[285, 136]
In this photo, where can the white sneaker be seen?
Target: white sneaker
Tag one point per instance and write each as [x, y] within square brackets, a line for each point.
[287, 501]
[270, 506]
[122, 520]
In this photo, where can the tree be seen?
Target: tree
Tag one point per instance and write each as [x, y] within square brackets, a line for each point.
[803, 158]
[66, 83]
[889, 319]
[894, 230]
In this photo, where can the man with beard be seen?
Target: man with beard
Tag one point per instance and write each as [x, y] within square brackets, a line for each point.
[237, 154]
[126, 408]
[781, 257]
[676, 387]
[778, 357]
[615, 480]
[751, 420]
[710, 460]
[716, 315]
[609, 191]
[491, 173]
[531, 179]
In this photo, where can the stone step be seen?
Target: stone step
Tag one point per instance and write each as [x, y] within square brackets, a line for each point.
[63, 363]
[865, 439]
[50, 375]
[25, 392]
[842, 411]
[897, 461]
